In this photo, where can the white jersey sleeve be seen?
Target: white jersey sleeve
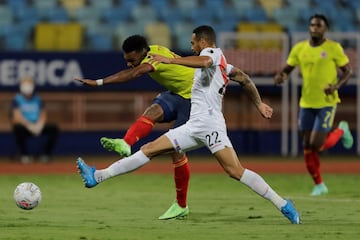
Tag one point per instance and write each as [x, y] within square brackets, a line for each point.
[229, 68]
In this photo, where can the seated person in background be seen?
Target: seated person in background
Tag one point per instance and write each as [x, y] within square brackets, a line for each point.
[29, 119]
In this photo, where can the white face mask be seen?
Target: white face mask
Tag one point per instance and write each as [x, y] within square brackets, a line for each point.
[26, 88]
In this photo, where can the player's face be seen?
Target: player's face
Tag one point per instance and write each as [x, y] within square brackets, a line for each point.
[317, 28]
[134, 58]
[195, 45]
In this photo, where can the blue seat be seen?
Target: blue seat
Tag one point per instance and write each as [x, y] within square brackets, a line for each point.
[182, 33]
[299, 4]
[144, 13]
[16, 4]
[115, 15]
[327, 3]
[347, 23]
[186, 8]
[125, 29]
[256, 14]
[99, 37]
[16, 36]
[28, 15]
[45, 3]
[100, 42]
[6, 16]
[57, 15]
[287, 17]
[101, 3]
[87, 15]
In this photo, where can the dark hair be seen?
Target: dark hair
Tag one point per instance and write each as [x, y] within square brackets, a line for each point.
[135, 43]
[319, 16]
[205, 32]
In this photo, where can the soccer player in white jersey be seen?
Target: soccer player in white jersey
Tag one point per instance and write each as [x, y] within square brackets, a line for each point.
[206, 125]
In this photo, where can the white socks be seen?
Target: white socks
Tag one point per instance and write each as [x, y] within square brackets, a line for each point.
[258, 185]
[122, 166]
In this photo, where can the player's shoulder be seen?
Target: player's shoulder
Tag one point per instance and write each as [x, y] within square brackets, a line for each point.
[301, 44]
[158, 49]
[332, 43]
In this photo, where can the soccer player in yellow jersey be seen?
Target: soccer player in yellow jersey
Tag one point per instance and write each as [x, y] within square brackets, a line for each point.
[318, 59]
[171, 105]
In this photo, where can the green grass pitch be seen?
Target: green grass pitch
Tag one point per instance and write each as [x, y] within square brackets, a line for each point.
[127, 207]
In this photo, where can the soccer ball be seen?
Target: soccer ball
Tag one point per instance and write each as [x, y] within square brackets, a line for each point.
[27, 195]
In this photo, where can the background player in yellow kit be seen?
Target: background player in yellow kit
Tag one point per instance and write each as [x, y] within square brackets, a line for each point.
[171, 105]
[318, 59]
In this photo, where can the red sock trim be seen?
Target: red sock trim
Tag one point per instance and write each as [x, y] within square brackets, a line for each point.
[140, 128]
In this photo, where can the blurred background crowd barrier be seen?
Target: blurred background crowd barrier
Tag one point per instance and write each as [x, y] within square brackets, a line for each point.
[57, 40]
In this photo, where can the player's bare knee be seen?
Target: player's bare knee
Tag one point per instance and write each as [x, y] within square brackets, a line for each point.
[148, 149]
[233, 173]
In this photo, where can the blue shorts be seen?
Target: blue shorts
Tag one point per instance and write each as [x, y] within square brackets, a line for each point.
[174, 106]
[316, 119]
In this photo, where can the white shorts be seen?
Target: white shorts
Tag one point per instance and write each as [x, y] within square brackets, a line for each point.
[194, 135]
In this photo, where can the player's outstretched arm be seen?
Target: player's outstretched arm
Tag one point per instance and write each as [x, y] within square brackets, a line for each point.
[283, 75]
[251, 91]
[120, 77]
[189, 61]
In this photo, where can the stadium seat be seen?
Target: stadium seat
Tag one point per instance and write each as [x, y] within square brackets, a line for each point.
[243, 5]
[303, 4]
[16, 36]
[45, 3]
[182, 33]
[58, 37]
[100, 42]
[56, 15]
[158, 33]
[357, 14]
[256, 14]
[70, 37]
[28, 14]
[115, 15]
[16, 4]
[72, 5]
[98, 37]
[6, 16]
[258, 43]
[124, 30]
[269, 6]
[287, 16]
[186, 8]
[347, 23]
[100, 4]
[325, 4]
[143, 13]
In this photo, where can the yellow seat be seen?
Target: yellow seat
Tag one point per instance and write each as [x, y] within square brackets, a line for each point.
[271, 28]
[72, 5]
[269, 6]
[256, 42]
[247, 27]
[158, 33]
[58, 37]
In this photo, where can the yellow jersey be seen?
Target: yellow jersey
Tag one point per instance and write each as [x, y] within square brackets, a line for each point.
[318, 66]
[175, 78]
